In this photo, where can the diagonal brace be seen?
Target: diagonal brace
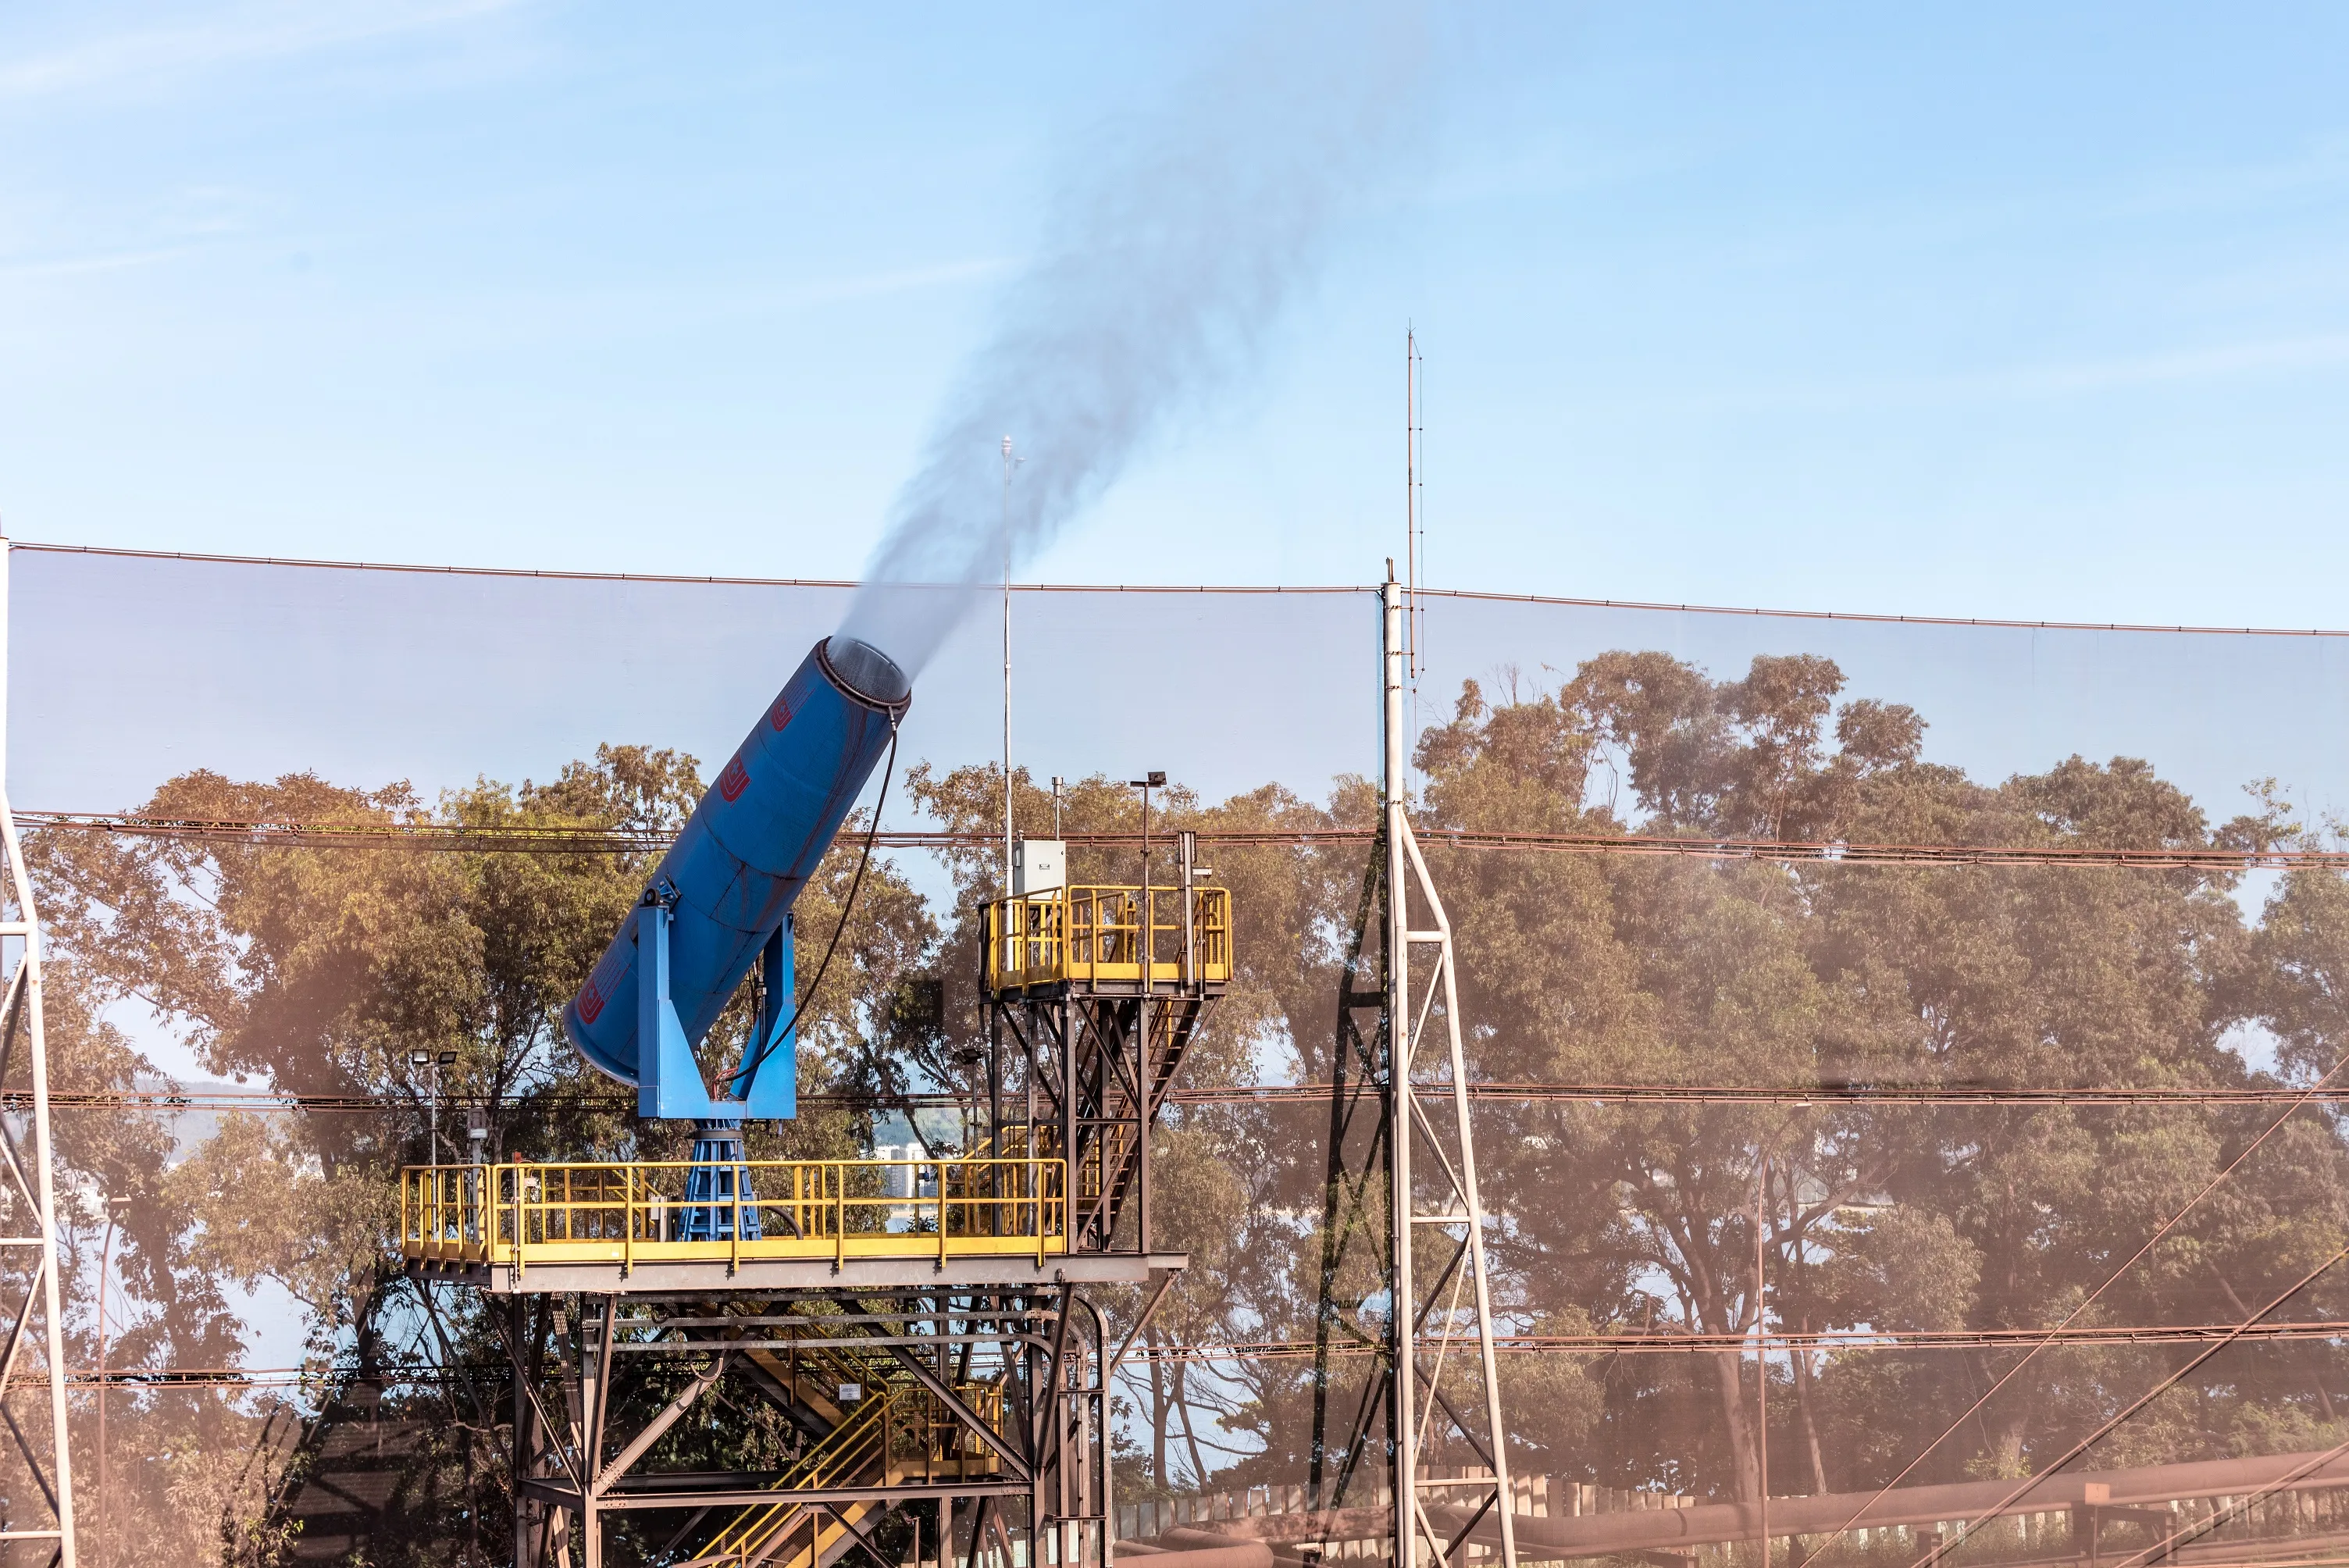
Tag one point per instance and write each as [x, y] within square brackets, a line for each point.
[669, 1417]
[1015, 1463]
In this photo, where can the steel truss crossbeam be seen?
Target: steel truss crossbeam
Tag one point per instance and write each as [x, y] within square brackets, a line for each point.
[1399, 1110]
[1033, 1458]
[29, 1255]
[1401, 1193]
[1096, 1067]
[1353, 1217]
[1445, 1207]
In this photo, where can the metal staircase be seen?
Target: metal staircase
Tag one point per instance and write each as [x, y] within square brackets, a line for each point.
[1107, 1178]
[894, 1432]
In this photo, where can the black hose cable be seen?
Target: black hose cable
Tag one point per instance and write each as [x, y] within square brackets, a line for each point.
[743, 1074]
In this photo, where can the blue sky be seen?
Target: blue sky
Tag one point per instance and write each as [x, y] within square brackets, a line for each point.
[2019, 311]
[1995, 309]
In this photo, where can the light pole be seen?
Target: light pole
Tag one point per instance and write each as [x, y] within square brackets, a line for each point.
[430, 1065]
[446, 1059]
[1153, 779]
[114, 1208]
[420, 1064]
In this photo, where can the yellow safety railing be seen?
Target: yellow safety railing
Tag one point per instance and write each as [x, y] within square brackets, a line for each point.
[1091, 935]
[636, 1212]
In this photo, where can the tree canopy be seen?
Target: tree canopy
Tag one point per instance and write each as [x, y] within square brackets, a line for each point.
[322, 969]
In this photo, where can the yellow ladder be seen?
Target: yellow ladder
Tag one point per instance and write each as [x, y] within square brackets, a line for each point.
[857, 1452]
[850, 1452]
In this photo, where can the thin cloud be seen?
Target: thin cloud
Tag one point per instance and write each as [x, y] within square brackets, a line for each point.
[665, 307]
[103, 262]
[229, 37]
[898, 279]
[2317, 171]
[2012, 382]
[2313, 352]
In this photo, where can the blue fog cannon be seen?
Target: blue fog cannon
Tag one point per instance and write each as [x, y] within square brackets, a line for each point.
[721, 901]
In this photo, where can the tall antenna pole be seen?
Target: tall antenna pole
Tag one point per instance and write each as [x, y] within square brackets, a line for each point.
[1420, 521]
[1008, 462]
[1414, 524]
[1410, 501]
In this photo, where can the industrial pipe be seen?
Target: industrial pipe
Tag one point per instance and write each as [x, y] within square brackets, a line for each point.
[723, 891]
[1185, 1548]
[1608, 1534]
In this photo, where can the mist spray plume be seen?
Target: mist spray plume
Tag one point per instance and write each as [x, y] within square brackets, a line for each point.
[1169, 252]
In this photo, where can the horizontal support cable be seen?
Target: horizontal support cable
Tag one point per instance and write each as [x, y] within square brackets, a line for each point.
[537, 838]
[1649, 1343]
[1598, 1095]
[1201, 590]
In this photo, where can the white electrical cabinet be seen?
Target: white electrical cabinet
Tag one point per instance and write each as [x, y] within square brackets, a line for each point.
[1038, 866]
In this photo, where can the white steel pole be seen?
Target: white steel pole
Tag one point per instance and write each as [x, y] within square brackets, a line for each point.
[1403, 1400]
[28, 927]
[1007, 461]
[1468, 1193]
[4, 665]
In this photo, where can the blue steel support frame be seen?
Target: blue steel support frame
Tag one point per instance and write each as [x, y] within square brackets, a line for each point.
[668, 1080]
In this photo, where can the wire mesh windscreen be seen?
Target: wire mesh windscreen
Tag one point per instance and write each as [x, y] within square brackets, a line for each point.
[1902, 1051]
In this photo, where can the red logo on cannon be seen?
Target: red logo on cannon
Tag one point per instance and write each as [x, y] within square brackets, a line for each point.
[780, 714]
[734, 780]
[591, 1001]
